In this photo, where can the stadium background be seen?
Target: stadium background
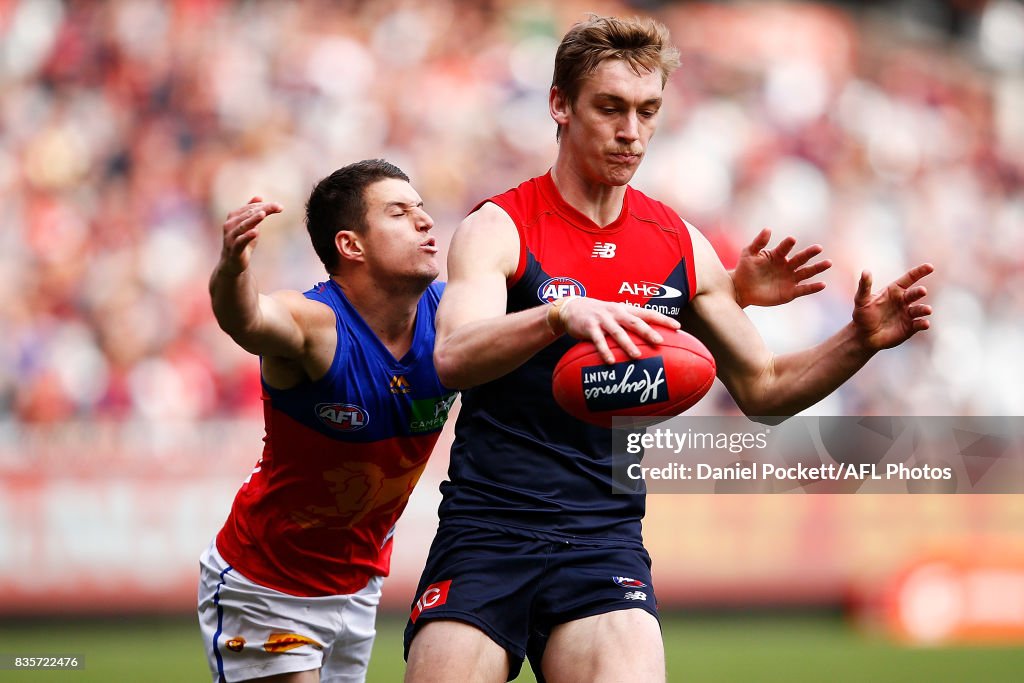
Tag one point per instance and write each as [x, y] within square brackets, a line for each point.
[889, 132]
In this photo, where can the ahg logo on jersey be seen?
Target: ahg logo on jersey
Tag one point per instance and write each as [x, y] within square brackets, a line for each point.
[558, 287]
[651, 290]
[344, 417]
[627, 384]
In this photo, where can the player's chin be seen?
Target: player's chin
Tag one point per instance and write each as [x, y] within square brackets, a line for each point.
[426, 275]
[429, 262]
[620, 174]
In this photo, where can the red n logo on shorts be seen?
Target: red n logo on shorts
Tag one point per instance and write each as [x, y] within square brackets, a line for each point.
[436, 594]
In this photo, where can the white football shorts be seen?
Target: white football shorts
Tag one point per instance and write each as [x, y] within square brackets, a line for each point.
[250, 631]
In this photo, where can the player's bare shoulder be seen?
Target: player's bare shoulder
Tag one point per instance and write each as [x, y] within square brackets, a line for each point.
[486, 238]
[308, 313]
[710, 273]
[317, 323]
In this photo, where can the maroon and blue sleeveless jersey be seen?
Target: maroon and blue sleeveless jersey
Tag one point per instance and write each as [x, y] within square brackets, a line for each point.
[519, 461]
[341, 456]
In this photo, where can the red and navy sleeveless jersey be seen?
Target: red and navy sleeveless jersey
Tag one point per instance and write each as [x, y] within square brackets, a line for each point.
[519, 461]
[341, 456]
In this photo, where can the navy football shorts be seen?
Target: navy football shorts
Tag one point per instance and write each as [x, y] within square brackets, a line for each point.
[516, 589]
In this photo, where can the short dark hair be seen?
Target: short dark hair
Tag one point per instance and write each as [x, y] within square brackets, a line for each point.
[338, 202]
[643, 44]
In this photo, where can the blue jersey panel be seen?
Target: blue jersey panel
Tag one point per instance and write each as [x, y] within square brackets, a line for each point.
[368, 394]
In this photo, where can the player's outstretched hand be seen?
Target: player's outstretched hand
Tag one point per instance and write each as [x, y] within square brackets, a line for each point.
[241, 230]
[593, 319]
[771, 277]
[892, 316]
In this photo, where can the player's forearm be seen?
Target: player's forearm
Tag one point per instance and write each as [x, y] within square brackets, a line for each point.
[793, 382]
[484, 350]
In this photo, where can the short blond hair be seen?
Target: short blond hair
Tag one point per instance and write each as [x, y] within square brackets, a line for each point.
[643, 44]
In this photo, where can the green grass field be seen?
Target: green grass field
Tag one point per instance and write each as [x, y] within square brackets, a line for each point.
[699, 649]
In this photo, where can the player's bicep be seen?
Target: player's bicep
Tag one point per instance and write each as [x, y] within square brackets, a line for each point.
[483, 255]
[465, 301]
[714, 317]
[285, 322]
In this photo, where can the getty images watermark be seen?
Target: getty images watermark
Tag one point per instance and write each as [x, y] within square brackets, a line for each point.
[822, 455]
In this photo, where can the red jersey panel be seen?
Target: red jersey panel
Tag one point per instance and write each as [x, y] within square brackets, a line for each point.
[647, 241]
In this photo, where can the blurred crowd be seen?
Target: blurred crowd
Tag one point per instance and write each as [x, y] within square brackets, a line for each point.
[128, 129]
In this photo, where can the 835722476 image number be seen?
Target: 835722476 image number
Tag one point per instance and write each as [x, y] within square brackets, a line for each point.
[12, 661]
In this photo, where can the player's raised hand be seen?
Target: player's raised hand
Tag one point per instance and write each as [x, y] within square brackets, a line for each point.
[598, 321]
[771, 277]
[241, 230]
[892, 316]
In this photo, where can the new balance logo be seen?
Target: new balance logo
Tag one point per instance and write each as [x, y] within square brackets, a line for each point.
[399, 384]
[603, 250]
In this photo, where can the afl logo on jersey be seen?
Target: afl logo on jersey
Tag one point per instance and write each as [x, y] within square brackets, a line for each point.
[343, 417]
[558, 287]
